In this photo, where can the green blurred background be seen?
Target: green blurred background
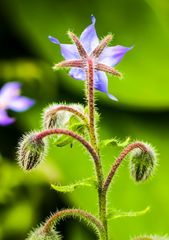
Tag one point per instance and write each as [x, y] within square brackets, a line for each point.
[141, 113]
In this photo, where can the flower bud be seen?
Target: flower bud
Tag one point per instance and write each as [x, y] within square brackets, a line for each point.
[30, 151]
[142, 163]
[52, 118]
[38, 234]
[151, 238]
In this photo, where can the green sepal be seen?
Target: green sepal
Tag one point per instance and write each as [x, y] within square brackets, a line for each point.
[88, 182]
[114, 142]
[114, 214]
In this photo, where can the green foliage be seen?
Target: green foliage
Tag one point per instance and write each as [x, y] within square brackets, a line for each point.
[151, 238]
[114, 142]
[89, 182]
[63, 140]
[114, 214]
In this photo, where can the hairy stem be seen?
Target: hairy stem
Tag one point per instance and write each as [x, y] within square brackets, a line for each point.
[69, 109]
[74, 135]
[92, 129]
[89, 218]
[90, 99]
[119, 160]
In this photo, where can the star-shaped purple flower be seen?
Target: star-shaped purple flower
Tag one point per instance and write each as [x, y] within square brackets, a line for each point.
[89, 48]
[10, 99]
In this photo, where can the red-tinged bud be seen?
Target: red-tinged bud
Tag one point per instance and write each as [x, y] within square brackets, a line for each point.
[58, 115]
[30, 151]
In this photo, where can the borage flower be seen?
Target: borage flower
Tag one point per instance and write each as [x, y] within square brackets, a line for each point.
[89, 50]
[10, 99]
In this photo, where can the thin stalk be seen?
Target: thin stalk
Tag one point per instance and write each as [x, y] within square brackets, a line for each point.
[90, 101]
[81, 214]
[119, 160]
[93, 138]
[79, 138]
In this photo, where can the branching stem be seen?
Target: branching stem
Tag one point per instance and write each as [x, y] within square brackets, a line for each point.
[74, 135]
[119, 160]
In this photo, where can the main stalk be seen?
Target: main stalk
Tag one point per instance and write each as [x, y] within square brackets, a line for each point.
[93, 139]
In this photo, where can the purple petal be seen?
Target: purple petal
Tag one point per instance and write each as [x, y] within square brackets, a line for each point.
[113, 55]
[9, 91]
[54, 40]
[5, 119]
[77, 73]
[68, 51]
[89, 37]
[20, 104]
[101, 84]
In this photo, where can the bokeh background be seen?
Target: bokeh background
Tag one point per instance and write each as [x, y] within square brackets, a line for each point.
[142, 112]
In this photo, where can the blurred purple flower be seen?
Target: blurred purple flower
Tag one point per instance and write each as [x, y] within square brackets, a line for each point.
[10, 99]
[88, 46]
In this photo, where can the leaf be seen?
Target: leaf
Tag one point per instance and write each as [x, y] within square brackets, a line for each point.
[120, 214]
[64, 140]
[88, 182]
[115, 142]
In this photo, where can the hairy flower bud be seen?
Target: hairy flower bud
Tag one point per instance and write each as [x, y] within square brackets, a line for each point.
[38, 234]
[151, 238]
[58, 115]
[30, 151]
[142, 163]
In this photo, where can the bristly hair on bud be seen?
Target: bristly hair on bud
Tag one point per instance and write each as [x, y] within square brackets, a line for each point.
[30, 151]
[38, 234]
[142, 163]
[58, 115]
[152, 237]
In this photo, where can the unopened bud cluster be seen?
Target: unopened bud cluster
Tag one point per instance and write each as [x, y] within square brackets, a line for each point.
[142, 163]
[52, 118]
[31, 151]
[38, 234]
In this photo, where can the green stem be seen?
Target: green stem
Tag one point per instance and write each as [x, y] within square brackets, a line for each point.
[93, 138]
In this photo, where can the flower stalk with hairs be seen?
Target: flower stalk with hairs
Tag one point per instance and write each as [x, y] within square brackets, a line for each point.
[88, 59]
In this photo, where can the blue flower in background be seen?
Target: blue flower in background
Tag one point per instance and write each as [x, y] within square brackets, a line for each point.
[10, 99]
[88, 46]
